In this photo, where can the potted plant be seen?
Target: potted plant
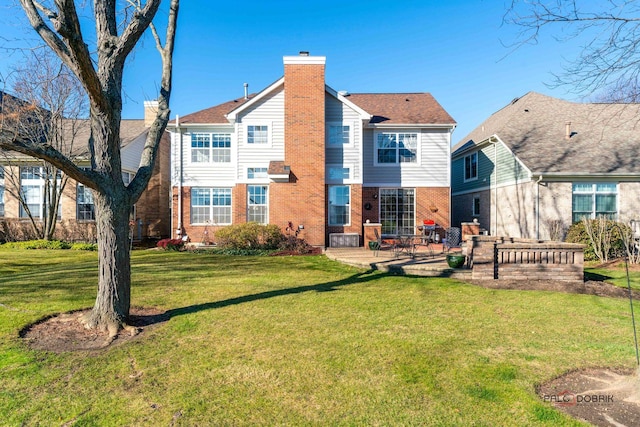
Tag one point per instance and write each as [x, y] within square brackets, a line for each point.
[455, 260]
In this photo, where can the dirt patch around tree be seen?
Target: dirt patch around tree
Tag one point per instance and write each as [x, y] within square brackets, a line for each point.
[64, 332]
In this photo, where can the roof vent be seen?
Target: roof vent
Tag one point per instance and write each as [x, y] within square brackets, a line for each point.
[567, 130]
[246, 91]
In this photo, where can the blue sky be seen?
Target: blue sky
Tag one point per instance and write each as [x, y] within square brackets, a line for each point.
[453, 49]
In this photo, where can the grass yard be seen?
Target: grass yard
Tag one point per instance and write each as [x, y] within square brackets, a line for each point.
[297, 341]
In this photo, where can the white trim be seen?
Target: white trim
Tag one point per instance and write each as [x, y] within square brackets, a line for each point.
[328, 202]
[245, 136]
[304, 60]
[464, 168]
[349, 180]
[363, 114]
[449, 126]
[349, 144]
[416, 163]
[233, 114]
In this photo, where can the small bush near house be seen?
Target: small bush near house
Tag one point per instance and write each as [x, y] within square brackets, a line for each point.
[294, 246]
[84, 247]
[171, 244]
[39, 244]
[606, 244]
[249, 236]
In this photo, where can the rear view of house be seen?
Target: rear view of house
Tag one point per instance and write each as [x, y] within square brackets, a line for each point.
[312, 160]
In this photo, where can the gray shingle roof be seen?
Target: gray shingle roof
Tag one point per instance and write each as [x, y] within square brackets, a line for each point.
[605, 138]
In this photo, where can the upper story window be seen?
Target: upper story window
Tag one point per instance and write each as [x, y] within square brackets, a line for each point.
[257, 134]
[339, 134]
[256, 173]
[394, 148]
[591, 200]
[471, 167]
[210, 147]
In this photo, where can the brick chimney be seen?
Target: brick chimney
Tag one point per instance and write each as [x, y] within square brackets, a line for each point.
[150, 111]
[303, 199]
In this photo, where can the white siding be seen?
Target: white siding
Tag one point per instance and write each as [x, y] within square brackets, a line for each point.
[202, 174]
[131, 154]
[431, 170]
[351, 155]
[269, 111]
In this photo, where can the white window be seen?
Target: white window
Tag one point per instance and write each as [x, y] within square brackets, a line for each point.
[127, 177]
[256, 173]
[257, 134]
[471, 167]
[339, 134]
[339, 205]
[31, 191]
[591, 200]
[211, 205]
[210, 147]
[84, 204]
[338, 173]
[257, 204]
[395, 148]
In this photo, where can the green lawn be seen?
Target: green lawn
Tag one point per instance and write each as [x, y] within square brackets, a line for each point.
[297, 341]
[615, 274]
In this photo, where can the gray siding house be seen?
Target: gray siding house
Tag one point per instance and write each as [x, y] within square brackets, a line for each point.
[540, 164]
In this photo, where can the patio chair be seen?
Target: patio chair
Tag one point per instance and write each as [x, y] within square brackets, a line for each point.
[451, 238]
[381, 244]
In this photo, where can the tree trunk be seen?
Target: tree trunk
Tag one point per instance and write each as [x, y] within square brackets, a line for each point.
[111, 309]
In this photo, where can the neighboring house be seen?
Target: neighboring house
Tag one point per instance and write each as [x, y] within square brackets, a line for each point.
[540, 164]
[23, 175]
[302, 153]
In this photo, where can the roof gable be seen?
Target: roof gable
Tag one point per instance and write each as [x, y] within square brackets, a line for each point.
[604, 138]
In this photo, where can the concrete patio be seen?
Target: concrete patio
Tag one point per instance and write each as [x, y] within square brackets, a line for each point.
[425, 263]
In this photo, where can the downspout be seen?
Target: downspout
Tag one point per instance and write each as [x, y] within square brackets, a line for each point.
[538, 207]
[494, 214]
[179, 132]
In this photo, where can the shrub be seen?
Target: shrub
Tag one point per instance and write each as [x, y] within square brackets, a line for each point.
[84, 247]
[39, 244]
[606, 244]
[250, 235]
[295, 245]
[171, 244]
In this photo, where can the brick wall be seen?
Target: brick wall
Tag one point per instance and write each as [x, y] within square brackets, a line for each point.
[302, 200]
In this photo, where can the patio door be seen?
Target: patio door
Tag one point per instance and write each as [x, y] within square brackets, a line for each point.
[397, 210]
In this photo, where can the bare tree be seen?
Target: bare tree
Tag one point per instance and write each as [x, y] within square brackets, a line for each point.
[118, 29]
[50, 112]
[610, 57]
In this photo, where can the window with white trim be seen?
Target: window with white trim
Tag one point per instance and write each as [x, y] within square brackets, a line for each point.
[211, 205]
[592, 200]
[257, 204]
[471, 167]
[32, 191]
[257, 134]
[396, 147]
[339, 134]
[257, 173]
[208, 147]
[397, 210]
[339, 205]
[85, 209]
[338, 173]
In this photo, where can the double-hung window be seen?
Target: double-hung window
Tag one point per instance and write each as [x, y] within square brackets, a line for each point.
[211, 205]
[257, 204]
[471, 167]
[257, 134]
[209, 147]
[394, 148]
[31, 190]
[84, 204]
[339, 134]
[257, 173]
[339, 205]
[592, 200]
